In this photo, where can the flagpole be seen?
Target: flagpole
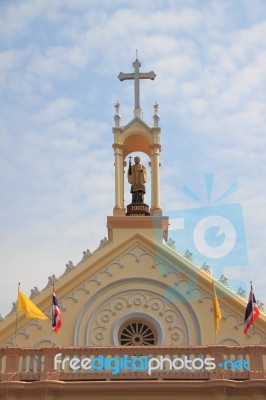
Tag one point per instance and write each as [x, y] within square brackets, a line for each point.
[252, 307]
[16, 324]
[216, 312]
[52, 317]
[213, 293]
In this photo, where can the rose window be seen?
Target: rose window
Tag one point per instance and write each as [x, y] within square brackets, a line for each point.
[137, 333]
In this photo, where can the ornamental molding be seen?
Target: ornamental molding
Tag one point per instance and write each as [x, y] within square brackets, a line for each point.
[107, 318]
[24, 332]
[149, 296]
[137, 252]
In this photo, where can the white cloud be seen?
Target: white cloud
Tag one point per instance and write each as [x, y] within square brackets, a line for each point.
[54, 110]
[57, 62]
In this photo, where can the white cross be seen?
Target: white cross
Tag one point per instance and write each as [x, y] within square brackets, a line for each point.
[137, 76]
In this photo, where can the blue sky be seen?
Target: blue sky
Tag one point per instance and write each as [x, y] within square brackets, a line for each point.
[59, 63]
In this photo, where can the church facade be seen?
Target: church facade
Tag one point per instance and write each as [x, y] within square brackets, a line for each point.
[138, 317]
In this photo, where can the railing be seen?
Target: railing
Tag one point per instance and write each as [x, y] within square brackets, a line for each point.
[132, 363]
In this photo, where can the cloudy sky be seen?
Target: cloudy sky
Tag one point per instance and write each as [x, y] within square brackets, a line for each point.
[59, 62]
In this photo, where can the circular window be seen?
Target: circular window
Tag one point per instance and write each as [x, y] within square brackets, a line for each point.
[137, 333]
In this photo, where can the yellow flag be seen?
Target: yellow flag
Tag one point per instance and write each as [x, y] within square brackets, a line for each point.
[25, 304]
[216, 311]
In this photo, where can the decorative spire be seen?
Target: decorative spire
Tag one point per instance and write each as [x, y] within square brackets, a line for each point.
[117, 115]
[156, 117]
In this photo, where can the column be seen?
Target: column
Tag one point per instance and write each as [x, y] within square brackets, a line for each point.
[155, 179]
[119, 180]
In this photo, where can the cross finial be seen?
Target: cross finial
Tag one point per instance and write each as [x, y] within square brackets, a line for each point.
[136, 76]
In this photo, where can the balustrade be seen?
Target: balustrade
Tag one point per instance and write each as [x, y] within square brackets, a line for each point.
[134, 363]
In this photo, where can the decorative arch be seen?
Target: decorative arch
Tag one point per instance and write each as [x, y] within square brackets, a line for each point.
[136, 142]
[102, 315]
[229, 341]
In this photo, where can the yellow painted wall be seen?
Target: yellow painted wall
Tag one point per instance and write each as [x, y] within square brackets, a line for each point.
[140, 273]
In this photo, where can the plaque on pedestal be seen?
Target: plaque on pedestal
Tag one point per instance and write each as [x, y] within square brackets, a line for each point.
[137, 209]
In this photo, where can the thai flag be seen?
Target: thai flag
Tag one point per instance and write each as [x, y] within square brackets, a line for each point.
[252, 311]
[56, 315]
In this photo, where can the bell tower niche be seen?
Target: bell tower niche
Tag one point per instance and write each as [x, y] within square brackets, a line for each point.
[137, 136]
[130, 172]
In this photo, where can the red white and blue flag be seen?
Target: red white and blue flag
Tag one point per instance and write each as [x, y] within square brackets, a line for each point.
[252, 311]
[56, 315]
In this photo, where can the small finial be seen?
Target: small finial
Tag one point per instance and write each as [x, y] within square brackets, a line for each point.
[117, 116]
[136, 54]
[156, 116]
[51, 280]
[117, 107]
[156, 107]
[34, 292]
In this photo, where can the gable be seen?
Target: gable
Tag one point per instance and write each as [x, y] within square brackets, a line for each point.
[136, 280]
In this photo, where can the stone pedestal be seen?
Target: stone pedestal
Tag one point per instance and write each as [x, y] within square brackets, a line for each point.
[137, 209]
